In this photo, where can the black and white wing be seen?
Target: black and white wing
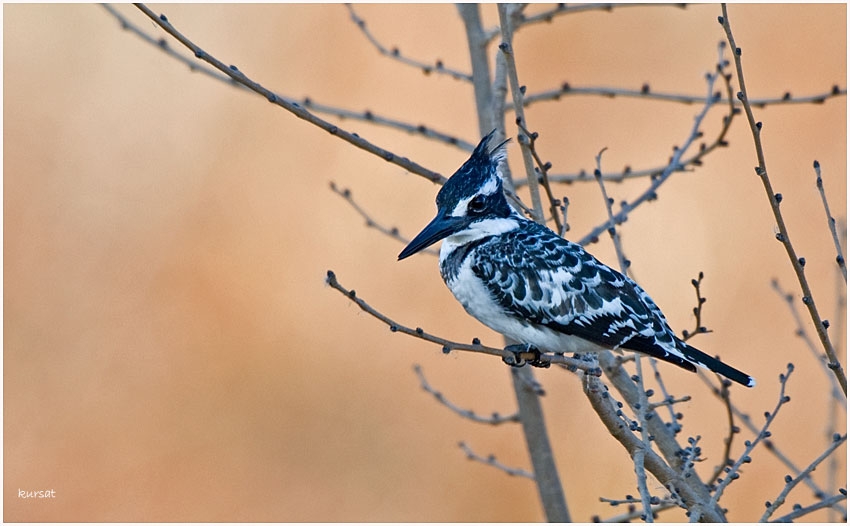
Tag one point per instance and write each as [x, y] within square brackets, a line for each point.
[537, 276]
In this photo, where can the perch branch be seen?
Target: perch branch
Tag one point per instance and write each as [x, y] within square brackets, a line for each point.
[448, 345]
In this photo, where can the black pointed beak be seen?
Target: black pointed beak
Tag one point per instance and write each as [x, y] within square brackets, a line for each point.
[440, 227]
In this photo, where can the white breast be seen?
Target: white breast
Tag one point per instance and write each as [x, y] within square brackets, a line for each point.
[476, 299]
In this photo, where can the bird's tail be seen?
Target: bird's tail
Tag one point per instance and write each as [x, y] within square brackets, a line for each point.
[713, 364]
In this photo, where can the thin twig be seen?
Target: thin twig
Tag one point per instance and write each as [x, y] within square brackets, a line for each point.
[831, 222]
[494, 419]
[563, 9]
[635, 513]
[770, 445]
[726, 459]
[790, 482]
[296, 109]
[387, 122]
[490, 460]
[395, 54]
[827, 502]
[642, 405]
[506, 47]
[391, 232]
[674, 165]
[699, 328]
[774, 199]
[800, 331]
[542, 169]
[732, 472]
[639, 455]
[669, 401]
[645, 93]
[612, 230]
[307, 102]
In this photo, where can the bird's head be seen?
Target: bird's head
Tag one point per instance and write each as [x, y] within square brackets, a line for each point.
[471, 203]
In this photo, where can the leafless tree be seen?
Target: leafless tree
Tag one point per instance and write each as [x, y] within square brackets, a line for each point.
[627, 393]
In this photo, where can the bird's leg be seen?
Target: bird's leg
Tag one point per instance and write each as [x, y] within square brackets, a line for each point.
[518, 359]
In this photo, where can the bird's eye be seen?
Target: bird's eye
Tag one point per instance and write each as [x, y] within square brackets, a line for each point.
[476, 206]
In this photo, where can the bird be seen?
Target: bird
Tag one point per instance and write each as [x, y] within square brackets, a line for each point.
[525, 282]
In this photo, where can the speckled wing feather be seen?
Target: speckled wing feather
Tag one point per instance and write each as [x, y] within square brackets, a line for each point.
[537, 276]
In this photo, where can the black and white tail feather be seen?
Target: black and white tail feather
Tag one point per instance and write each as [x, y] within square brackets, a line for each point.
[525, 282]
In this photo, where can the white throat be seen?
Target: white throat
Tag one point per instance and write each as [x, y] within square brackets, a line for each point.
[478, 230]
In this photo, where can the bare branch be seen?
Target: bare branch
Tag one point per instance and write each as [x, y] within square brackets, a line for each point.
[774, 199]
[726, 459]
[542, 170]
[563, 9]
[449, 345]
[673, 165]
[699, 328]
[602, 403]
[612, 230]
[800, 331]
[831, 222]
[827, 502]
[732, 472]
[494, 419]
[395, 54]
[791, 482]
[506, 11]
[639, 455]
[307, 102]
[294, 108]
[645, 93]
[769, 444]
[490, 460]
[391, 232]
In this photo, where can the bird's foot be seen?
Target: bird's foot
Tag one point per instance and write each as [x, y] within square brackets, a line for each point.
[525, 354]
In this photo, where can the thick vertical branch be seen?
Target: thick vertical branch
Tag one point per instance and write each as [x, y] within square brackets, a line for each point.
[477, 41]
[537, 438]
[528, 400]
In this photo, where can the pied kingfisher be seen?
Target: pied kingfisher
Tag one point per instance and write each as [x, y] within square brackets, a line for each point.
[522, 280]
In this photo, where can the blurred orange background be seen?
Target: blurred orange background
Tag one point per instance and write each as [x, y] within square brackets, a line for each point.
[172, 353]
